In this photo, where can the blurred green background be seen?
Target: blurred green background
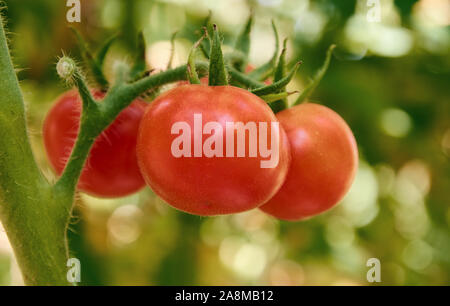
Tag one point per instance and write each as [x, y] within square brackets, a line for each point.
[390, 80]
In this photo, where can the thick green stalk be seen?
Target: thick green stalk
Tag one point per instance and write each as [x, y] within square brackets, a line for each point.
[29, 211]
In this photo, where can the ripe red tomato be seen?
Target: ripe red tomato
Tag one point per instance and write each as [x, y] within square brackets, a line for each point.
[324, 162]
[211, 185]
[111, 169]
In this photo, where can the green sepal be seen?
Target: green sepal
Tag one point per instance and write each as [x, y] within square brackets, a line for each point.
[280, 70]
[317, 78]
[277, 86]
[217, 73]
[263, 72]
[140, 64]
[191, 70]
[172, 52]
[205, 46]
[271, 98]
[279, 74]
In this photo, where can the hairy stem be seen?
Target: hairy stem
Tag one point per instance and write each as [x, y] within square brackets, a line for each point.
[29, 211]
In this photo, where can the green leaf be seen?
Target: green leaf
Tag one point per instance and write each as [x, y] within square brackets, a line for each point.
[280, 70]
[277, 86]
[317, 78]
[217, 72]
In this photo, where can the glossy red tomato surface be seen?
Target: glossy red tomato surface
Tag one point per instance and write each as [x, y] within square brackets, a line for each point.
[111, 169]
[324, 162]
[208, 185]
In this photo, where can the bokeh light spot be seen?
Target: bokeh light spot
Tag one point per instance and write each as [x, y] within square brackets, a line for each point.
[417, 255]
[396, 122]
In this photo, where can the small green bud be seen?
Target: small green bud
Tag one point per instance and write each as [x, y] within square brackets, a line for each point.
[66, 68]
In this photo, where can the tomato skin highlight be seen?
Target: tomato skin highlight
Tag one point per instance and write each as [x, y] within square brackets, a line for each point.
[111, 169]
[201, 185]
[323, 166]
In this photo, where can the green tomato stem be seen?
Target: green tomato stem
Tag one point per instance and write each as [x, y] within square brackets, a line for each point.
[29, 210]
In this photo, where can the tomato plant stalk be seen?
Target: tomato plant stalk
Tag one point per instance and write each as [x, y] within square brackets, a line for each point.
[29, 210]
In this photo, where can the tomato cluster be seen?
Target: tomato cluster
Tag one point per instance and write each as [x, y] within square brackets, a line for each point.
[316, 153]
